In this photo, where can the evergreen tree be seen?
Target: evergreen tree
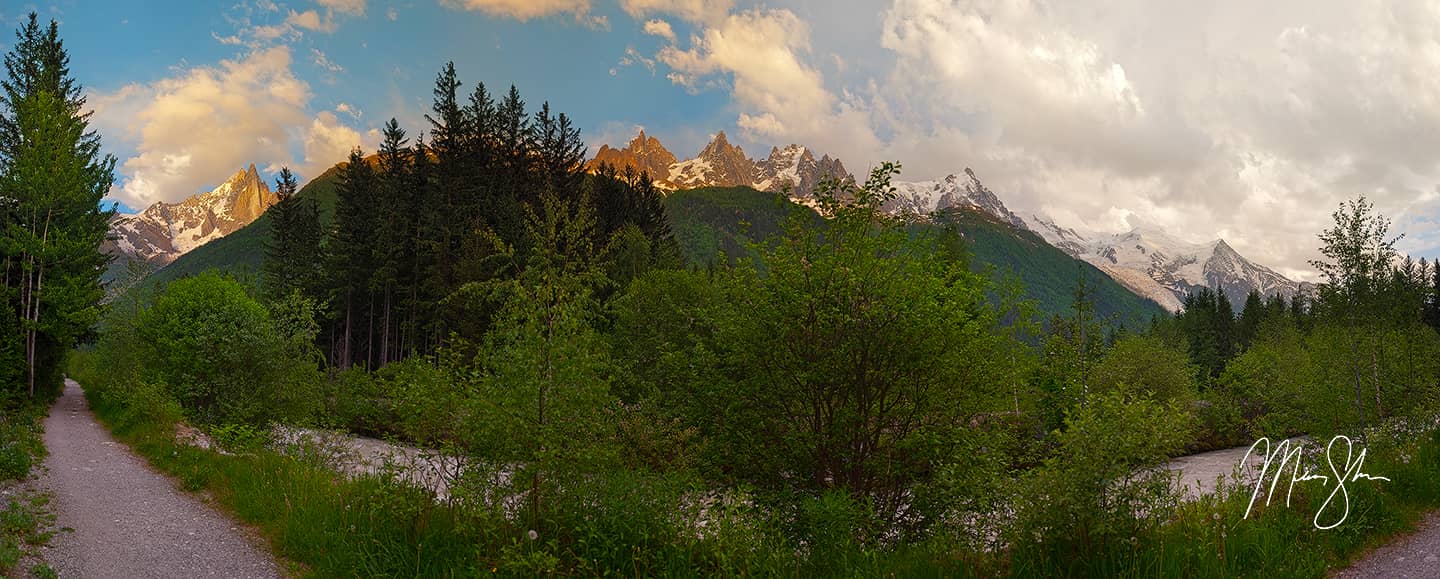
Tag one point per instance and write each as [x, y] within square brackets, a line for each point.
[352, 251]
[394, 245]
[1251, 317]
[293, 260]
[52, 176]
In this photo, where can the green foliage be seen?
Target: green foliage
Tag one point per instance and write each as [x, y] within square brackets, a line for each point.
[545, 388]
[1098, 486]
[218, 352]
[854, 362]
[1148, 366]
[25, 520]
[20, 443]
[52, 176]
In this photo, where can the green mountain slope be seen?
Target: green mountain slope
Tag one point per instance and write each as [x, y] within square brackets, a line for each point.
[712, 219]
[1049, 274]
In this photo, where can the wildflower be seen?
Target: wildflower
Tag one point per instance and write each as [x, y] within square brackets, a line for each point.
[1216, 516]
[533, 535]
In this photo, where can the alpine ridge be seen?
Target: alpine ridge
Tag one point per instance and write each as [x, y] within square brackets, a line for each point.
[1145, 260]
[165, 231]
[1156, 265]
[793, 168]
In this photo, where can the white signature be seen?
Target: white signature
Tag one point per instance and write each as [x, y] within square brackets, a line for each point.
[1291, 455]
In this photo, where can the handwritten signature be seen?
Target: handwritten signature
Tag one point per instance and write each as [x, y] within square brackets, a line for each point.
[1291, 455]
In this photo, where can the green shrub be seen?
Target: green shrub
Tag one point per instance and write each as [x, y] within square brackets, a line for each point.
[216, 350]
[1099, 485]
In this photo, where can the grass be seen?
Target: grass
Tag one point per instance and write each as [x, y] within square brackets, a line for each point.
[328, 525]
[25, 521]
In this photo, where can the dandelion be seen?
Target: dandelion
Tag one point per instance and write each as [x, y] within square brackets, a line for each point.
[1216, 516]
[533, 535]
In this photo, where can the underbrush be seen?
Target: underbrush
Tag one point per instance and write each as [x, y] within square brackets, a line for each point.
[638, 523]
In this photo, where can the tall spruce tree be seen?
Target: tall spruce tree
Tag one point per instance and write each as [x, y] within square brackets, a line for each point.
[52, 178]
[293, 257]
[352, 251]
[394, 244]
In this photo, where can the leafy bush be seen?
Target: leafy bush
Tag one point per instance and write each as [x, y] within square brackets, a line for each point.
[1101, 483]
[217, 351]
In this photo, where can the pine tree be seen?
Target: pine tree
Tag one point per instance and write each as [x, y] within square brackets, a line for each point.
[449, 132]
[394, 245]
[291, 254]
[53, 177]
[352, 251]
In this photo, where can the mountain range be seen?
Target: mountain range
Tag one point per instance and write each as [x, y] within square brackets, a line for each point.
[1145, 261]
[164, 231]
[1163, 268]
[720, 164]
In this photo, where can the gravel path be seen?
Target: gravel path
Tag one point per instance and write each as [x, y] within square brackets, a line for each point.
[1414, 555]
[129, 521]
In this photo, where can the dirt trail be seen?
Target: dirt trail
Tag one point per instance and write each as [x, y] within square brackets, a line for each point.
[128, 520]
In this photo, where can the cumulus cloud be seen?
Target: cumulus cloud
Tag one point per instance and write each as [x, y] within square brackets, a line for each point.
[1214, 120]
[760, 51]
[699, 11]
[1217, 119]
[311, 20]
[194, 129]
[329, 141]
[661, 28]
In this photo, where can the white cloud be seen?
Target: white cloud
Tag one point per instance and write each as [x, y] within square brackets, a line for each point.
[661, 28]
[760, 51]
[324, 62]
[349, 109]
[328, 141]
[192, 130]
[311, 20]
[348, 7]
[698, 11]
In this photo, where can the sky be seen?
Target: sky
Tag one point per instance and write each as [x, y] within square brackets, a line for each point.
[1222, 119]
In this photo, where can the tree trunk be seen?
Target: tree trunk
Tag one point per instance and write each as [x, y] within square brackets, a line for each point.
[35, 301]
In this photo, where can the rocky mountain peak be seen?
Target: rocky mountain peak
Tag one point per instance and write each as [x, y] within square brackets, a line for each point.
[644, 153]
[165, 231]
[926, 197]
[720, 163]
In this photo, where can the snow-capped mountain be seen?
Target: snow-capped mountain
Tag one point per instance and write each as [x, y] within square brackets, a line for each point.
[721, 164]
[795, 169]
[165, 231]
[1145, 260]
[925, 197]
[1158, 266]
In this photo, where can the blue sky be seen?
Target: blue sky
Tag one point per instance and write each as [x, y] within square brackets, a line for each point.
[1214, 119]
